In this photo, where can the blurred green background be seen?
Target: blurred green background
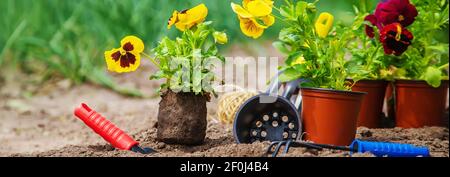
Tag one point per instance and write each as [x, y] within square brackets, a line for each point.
[68, 38]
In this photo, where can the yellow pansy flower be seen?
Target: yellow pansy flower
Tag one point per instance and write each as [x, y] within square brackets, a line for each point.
[299, 60]
[254, 16]
[173, 19]
[127, 58]
[186, 19]
[324, 24]
[220, 37]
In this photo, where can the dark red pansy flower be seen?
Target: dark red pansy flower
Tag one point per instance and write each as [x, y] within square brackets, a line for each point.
[396, 11]
[128, 47]
[395, 39]
[126, 59]
[369, 29]
[125, 56]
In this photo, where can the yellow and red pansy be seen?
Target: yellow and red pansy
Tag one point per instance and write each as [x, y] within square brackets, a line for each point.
[127, 58]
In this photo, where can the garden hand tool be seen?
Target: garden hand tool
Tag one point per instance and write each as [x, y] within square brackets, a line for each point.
[378, 149]
[112, 134]
[268, 116]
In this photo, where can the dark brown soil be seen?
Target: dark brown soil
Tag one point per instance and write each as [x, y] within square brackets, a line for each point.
[220, 143]
[182, 118]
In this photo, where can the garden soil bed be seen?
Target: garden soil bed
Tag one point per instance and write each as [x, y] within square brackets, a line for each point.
[56, 132]
[37, 120]
[220, 143]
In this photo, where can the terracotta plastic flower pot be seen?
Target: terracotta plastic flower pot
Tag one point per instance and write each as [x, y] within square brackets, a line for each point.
[372, 104]
[330, 116]
[417, 104]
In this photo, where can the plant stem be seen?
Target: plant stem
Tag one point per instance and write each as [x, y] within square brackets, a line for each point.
[276, 8]
[283, 20]
[370, 61]
[152, 60]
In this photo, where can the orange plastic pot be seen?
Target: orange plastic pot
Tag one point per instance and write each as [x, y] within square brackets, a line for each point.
[417, 104]
[330, 116]
[372, 104]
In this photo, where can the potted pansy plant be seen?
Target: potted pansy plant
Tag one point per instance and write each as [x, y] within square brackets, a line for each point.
[314, 50]
[371, 50]
[422, 73]
[413, 56]
[186, 64]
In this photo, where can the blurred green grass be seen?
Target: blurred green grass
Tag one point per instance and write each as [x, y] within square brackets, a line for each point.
[68, 37]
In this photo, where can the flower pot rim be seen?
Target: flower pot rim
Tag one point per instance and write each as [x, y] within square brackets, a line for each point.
[369, 80]
[416, 80]
[334, 91]
[417, 83]
[375, 80]
[369, 84]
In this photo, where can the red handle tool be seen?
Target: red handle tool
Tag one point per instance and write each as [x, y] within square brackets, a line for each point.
[112, 134]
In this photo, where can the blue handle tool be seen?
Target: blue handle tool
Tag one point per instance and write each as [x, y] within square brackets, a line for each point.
[381, 149]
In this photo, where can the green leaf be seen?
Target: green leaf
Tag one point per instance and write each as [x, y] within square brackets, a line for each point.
[158, 75]
[289, 35]
[300, 8]
[308, 84]
[285, 12]
[441, 48]
[355, 9]
[280, 46]
[433, 76]
[288, 75]
[300, 68]
[212, 50]
[292, 57]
